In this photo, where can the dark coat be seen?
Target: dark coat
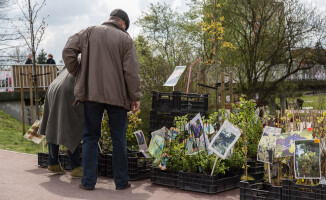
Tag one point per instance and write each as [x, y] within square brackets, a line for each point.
[50, 61]
[28, 61]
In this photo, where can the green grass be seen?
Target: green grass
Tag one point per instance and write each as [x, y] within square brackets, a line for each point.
[315, 101]
[11, 136]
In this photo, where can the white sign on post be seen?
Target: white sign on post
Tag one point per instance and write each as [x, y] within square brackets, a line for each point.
[173, 79]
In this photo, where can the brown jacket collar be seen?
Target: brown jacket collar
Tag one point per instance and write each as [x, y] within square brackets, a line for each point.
[114, 24]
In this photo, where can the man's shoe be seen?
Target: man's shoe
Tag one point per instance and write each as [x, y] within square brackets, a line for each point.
[56, 169]
[124, 187]
[77, 172]
[86, 187]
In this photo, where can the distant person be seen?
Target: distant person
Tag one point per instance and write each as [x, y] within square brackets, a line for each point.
[50, 60]
[62, 123]
[29, 60]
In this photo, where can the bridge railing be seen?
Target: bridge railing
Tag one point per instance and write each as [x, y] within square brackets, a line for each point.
[11, 76]
[317, 73]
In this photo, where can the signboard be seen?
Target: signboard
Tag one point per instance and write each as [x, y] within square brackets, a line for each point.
[173, 79]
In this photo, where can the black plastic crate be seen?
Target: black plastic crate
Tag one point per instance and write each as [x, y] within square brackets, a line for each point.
[101, 164]
[207, 184]
[138, 166]
[259, 191]
[160, 119]
[64, 161]
[42, 159]
[163, 101]
[192, 102]
[165, 177]
[255, 164]
[292, 191]
[257, 176]
[254, 170]
[228, 183]
[180, 102]
[108, 166]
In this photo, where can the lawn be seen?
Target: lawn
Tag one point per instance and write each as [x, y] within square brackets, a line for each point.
[11, 136]
[315, 101]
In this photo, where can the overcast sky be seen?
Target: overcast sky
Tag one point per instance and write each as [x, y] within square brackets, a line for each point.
[67, 17]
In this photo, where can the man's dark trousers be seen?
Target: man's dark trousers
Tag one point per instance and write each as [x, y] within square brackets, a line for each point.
[93, 114]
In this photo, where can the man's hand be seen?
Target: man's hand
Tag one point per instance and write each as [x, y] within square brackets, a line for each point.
[135, 106]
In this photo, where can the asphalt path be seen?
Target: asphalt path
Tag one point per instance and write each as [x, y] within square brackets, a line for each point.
[22, 179]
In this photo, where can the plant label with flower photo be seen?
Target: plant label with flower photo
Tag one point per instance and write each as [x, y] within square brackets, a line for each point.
[163, 132]
[209, 129]
[225, 139]
[33, 133]
[196, 134]
[266, 146]
[285, 142]
[141, 140]
[173, 133]
[156, 146]
[307, 159]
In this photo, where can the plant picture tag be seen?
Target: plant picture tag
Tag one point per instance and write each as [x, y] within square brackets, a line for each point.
[197, 135]
[225, 139]
[307, 159]
[141, 140]
[156, 147]
[33, 133]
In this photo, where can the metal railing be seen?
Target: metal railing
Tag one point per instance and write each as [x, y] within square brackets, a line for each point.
[11, 76]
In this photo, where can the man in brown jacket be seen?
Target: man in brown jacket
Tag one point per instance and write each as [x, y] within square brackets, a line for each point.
[106, 78]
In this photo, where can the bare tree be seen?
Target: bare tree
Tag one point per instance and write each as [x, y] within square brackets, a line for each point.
[18, 55]
[7, 33]
[32, 33]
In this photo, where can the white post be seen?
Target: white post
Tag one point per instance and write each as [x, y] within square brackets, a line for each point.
[214, 166]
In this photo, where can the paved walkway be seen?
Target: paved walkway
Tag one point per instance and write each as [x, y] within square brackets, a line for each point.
[21, 179]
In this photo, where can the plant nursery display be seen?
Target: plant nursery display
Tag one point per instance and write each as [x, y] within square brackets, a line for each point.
[307, 159]
[224, 139]
[267, 143]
